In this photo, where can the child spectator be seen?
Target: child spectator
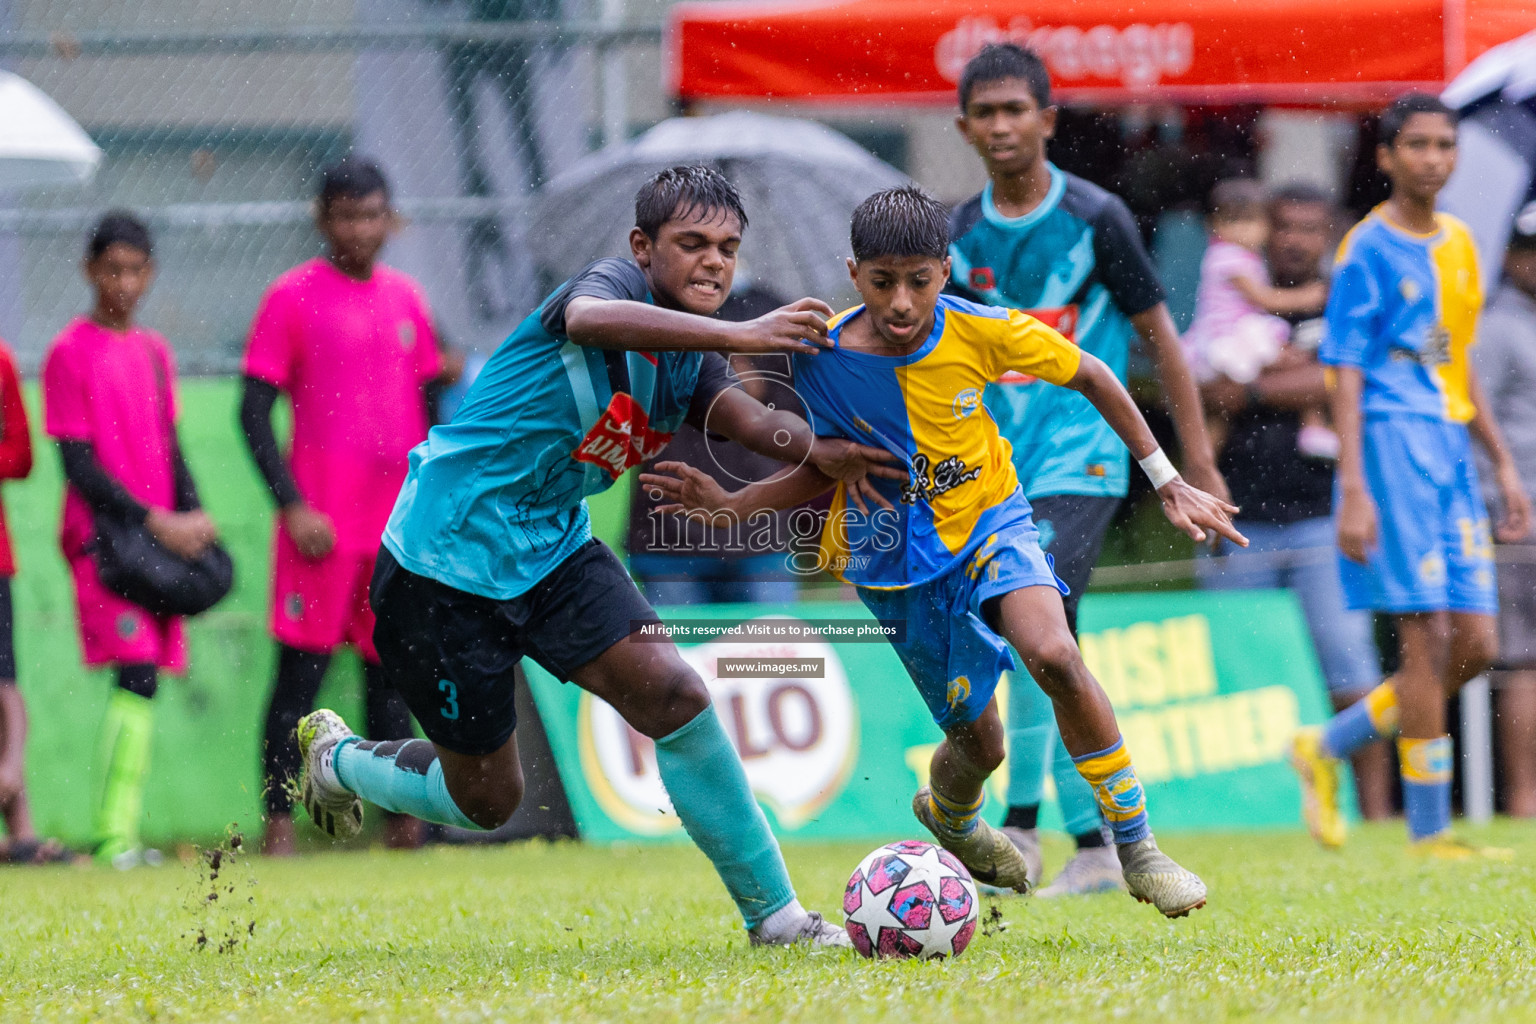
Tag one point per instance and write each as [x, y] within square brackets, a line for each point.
[109, 398]
[351, 342]
[1238, 328]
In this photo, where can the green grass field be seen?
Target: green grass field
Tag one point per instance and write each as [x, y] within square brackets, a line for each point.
[571, 933]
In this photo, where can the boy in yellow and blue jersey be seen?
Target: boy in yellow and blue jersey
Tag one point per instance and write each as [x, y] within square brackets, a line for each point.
[1069, 253]
[951, 560]
[1412, 529]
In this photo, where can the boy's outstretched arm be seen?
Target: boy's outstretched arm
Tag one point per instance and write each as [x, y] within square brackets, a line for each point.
[1190, 509]
[780, 434]
[1161, 337]
[625, 324]
[686, 489]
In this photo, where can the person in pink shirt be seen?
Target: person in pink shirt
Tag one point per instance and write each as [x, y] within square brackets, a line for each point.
[351, 342]
[109, 400]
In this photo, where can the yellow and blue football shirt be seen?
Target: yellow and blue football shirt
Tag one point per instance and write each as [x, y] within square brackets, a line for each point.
[926, 407]
[1403, 309]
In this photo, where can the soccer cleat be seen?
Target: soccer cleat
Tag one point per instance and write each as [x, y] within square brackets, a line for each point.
[989, 855]
[1152, 877]
[1027, 841]
[133, 857]
[1096, 869]
[1319, 776]
[336, 810]
[1448, 846]
[814, 930]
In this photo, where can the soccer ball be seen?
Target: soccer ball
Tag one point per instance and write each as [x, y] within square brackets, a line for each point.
[910, 899]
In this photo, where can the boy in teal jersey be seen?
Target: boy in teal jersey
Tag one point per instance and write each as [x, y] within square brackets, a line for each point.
[951, 560]
[489, 556]
[1412, 529]
[1067, 252]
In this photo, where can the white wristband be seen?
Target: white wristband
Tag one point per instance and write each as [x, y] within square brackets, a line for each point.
[1158, 469]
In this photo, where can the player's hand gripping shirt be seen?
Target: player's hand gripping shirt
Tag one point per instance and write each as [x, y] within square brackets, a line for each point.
[1076, 262]
[1403, 309]
[496, 499]
[926, 407]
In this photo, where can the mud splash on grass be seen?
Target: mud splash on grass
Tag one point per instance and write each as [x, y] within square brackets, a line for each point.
[221, 900]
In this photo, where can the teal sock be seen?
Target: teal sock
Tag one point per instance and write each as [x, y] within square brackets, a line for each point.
[1031, 724]
[709, 791]
[403, 776]
[1079, 808]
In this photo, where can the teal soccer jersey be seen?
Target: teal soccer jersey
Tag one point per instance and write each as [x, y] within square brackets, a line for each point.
[1076, 262]
[495, 499]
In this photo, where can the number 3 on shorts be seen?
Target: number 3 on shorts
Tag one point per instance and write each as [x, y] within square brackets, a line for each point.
[450, 709]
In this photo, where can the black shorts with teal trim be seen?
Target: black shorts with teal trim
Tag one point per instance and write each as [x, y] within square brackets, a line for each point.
[452, 654]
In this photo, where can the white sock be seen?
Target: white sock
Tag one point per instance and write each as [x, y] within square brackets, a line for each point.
[783, 922]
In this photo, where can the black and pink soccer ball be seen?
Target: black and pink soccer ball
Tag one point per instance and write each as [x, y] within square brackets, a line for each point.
[910, 899]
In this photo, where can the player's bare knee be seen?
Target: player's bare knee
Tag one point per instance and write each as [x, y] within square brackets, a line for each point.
[674, 699]
[1474, 652]
[1057, 665]
[492, 805]
[686, 698]
[988, 753]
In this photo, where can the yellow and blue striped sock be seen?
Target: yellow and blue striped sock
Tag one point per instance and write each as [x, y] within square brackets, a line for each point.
[1368, 719]
[1426, 770]
[953, 816]
[1118, 791]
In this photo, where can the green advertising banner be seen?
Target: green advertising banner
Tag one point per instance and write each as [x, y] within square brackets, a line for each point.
[835, 739]
[204, 772]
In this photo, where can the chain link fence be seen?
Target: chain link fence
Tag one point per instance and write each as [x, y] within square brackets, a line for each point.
[216, 121]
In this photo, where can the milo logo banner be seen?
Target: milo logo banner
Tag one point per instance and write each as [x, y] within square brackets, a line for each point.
[1208, 689]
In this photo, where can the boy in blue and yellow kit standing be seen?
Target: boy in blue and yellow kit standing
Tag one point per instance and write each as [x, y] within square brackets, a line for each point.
[1412, 529]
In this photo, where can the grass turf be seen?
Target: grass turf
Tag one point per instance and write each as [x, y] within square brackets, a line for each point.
[570, 933]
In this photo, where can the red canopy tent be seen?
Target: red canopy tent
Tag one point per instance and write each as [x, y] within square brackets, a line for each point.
[1098, 51]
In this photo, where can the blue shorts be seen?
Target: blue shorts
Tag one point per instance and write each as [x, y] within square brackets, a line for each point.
[950, 652]
[1433, 549]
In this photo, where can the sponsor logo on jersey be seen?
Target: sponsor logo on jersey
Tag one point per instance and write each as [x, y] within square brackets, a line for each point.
[621, 438]
[1062, 320]
[930, 480]
[965, 403]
